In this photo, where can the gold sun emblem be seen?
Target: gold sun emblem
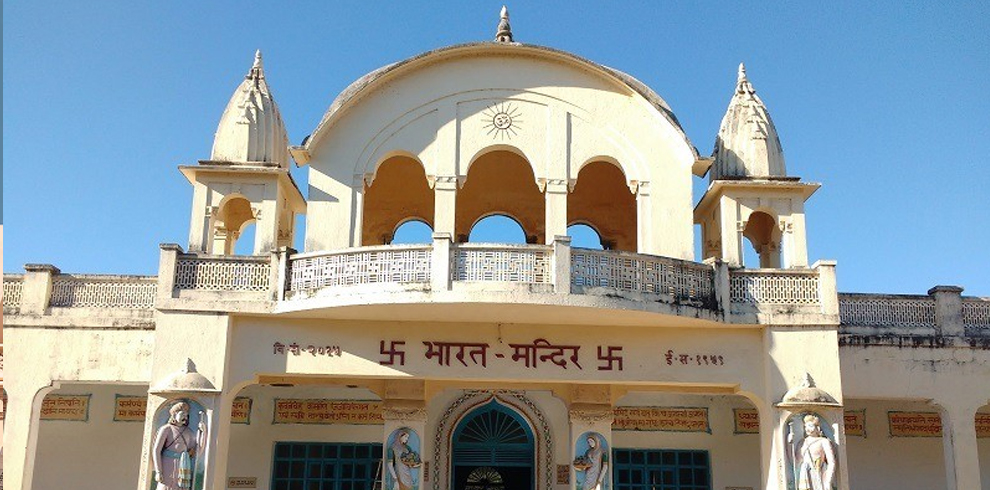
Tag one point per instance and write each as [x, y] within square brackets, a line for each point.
[503, 120]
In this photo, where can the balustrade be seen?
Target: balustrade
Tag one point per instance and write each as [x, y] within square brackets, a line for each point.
[223, 273]
[93, 291]
[643, 274]
[870, 310]
[368, 265]
[503, 263]
[777, 287]
[12, 288]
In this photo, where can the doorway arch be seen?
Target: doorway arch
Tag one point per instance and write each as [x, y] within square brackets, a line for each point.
[493, 447]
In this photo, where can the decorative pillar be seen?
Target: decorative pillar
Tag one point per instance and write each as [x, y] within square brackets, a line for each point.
[948, 310]
[810, 422]
[440, 273]
[962, 464]
[404, 433]
[20, 436]
[37, 286]
[207, 406]
[591, 443]
[731, 231]
[794, 236]
[444, 204]
[169, 255]
[644, 219]
[562, 264]
[556, 209]
[591, 416]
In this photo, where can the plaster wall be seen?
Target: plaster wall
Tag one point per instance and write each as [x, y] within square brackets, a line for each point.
[362, 343]
[94, 455]
[252, 446]
[567, 116]
[949, 376]
[734, 458]
[881, 461]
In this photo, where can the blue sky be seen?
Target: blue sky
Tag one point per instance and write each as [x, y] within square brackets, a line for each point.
[887, 105]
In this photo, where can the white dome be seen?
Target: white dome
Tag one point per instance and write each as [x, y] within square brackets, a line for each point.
[251, 130]
[747, 145]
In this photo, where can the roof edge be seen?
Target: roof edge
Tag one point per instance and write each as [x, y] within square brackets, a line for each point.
[361, 85]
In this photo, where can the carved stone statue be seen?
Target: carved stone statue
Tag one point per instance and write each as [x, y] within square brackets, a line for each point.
[815, 459]
[175, 449]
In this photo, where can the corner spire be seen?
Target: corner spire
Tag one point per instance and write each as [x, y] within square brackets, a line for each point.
[747, 145]
[504, 33]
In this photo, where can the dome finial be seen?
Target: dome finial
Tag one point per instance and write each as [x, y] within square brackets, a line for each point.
[257, 70]
[504, 33]
[742, 82]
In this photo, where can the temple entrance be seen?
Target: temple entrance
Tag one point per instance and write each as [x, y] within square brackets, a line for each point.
[493, 449]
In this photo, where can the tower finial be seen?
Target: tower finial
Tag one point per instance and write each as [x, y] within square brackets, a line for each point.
[504, 33]
[257, 70]
[742, 82]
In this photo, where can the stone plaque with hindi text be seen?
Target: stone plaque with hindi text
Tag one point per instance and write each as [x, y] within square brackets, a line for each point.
[320, 411]
[673, 419]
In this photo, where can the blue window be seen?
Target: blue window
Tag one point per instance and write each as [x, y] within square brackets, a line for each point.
[322, 466]
[656, 469]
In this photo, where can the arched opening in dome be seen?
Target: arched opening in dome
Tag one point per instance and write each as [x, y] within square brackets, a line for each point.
[497, 228]
[602, 199]
[234, 219]
[500, 182]
[399, 192]
[763, 234]
[413, 231]
[584, 236]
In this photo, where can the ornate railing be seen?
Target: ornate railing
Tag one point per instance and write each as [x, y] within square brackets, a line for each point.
[871, 310]
[12, 287]
[642, 274]
[761, 286]
[976, 315]
[222, 273]
[94, 291]
[503, 263]
[368, 265]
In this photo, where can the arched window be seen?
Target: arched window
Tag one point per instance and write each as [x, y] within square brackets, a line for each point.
[764, 235]
[399, 191]
[412, 231]
[602, 198]
[234, 217]
[584, 236]
[500, 182]
[497, 228]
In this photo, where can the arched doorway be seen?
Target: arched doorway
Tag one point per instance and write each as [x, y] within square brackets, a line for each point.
[493, 449]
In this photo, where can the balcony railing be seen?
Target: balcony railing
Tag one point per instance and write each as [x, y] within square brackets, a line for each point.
[530, 264]
[685, 281]
[366, 265]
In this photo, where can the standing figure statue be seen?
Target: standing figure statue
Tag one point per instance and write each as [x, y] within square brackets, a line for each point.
[594, 464]
[176, 447]
[401, 460]
[815, 459]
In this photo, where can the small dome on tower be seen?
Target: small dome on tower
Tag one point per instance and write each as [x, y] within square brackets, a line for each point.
[747, 145]
[251, 130]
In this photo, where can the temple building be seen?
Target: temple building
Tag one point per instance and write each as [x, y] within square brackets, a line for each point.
[361, 363]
